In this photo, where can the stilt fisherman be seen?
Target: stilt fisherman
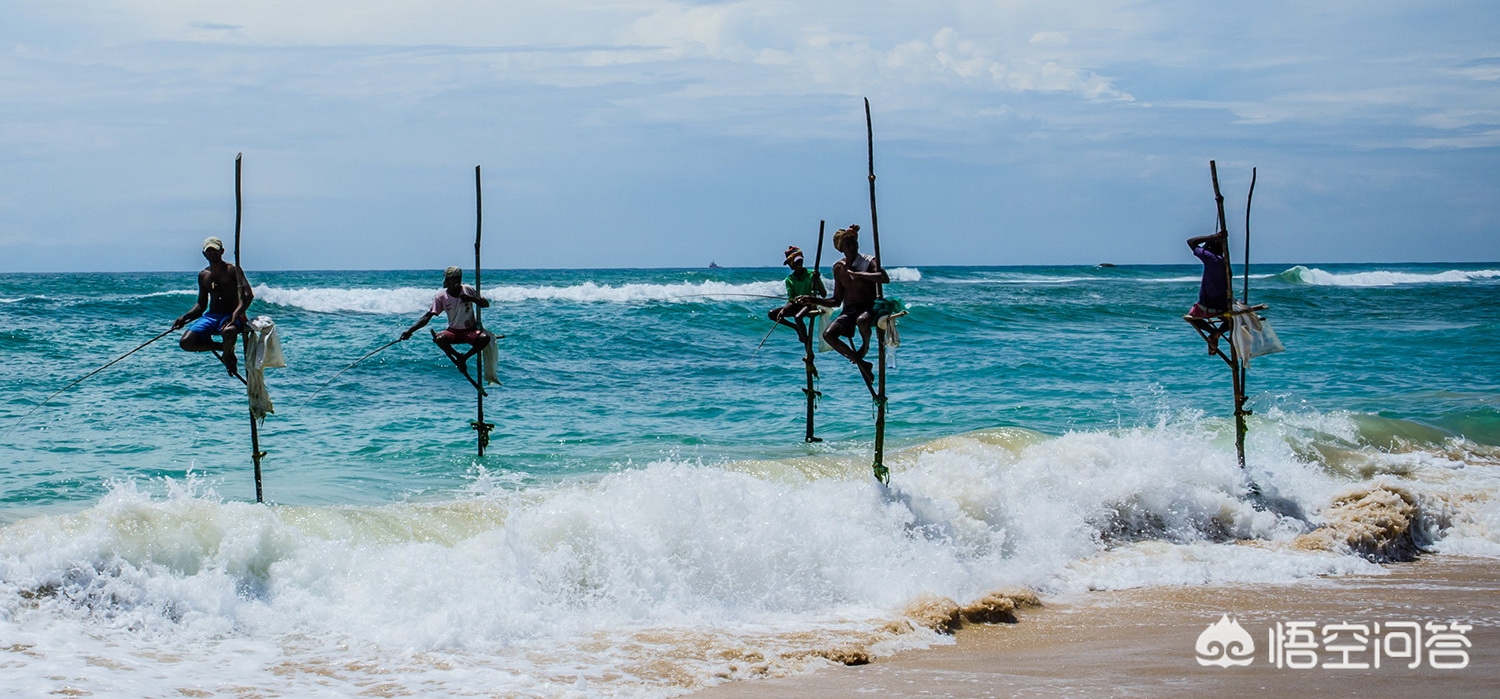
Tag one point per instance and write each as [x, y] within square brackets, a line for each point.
[856, 283]
[455, 300]
[224, 295]
[1213, 291]
[800, 282]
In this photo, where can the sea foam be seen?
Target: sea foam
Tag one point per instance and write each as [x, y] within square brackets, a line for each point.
[1317, 277]
[657, 579]
[414, 300]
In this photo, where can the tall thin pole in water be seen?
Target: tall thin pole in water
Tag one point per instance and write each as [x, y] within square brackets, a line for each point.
[480, 426]
[1245, 295]
[882, 473]
[1236, 367]
[255, 451]
[807, 343]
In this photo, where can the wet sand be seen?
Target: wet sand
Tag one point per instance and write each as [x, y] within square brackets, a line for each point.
[1141, 643]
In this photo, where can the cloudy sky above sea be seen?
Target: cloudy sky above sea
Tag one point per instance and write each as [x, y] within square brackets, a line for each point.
[656, 133]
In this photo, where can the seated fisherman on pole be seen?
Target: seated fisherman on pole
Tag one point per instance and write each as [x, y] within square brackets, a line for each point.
[223, 297]
[463, 329]
[801, 282]
[1213, 292]
[856, 283]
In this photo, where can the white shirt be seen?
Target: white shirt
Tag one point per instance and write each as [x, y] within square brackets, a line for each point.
[460, 313]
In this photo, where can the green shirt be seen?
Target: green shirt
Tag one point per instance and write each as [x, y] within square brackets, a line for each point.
[805, 284]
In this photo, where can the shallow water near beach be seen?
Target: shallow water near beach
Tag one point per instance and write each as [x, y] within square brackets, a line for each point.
[648, 520]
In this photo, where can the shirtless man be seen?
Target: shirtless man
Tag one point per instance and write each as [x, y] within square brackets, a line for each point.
[856, 284]
[463, 329]
[223, 297]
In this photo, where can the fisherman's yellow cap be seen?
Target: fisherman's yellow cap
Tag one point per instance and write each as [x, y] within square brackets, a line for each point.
[452, 272]
[212, 242]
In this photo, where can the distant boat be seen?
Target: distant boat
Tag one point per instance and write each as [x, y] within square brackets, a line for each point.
[1106, 264]
[714, 265]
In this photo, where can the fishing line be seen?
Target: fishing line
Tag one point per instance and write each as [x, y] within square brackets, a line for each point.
[81, 378]
[763, 339]
[693, 296]
[341, 373]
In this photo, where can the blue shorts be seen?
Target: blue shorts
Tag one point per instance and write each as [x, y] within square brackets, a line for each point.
[209, 323]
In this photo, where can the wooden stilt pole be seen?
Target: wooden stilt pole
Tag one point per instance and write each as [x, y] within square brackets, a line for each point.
[1245, 292]
[1236, 367]
[807, 344]
[255, 451]
[882, 473]
[1242, 391]
[480, 426]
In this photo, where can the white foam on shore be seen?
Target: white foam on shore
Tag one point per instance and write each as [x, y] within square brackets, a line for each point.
[656, 580]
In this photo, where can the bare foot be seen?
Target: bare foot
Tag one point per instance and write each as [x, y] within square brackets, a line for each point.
[867, 372]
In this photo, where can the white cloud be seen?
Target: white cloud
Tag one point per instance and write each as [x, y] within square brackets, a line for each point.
[1058, 89]
[1053, 38]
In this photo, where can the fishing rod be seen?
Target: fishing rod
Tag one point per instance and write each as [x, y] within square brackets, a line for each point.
[763, 339]
[80, 379]
[756, 296]
[371, 353]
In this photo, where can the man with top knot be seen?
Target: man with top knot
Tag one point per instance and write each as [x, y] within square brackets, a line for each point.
[856, 285]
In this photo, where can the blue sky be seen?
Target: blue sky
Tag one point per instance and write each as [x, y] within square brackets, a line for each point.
[654, 133]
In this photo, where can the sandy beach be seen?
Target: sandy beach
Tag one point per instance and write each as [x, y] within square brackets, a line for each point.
[1140, 643]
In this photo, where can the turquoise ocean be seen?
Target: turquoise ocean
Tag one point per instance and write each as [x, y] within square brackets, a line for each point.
[648, 520]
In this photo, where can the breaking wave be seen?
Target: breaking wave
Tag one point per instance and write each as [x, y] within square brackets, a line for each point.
[677, 575]
[1317, 277]
[411, 300]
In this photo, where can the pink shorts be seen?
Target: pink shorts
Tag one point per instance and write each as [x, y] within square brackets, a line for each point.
[1198, 311]
[462, 337]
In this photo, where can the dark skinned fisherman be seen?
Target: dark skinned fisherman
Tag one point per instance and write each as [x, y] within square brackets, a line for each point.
[455, 300]
[1213, 291]
[223, 297]
[801, 282]
[856, 283]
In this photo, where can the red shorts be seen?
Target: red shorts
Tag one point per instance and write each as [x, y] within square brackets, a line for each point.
[1198, 311]
[462, 337]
